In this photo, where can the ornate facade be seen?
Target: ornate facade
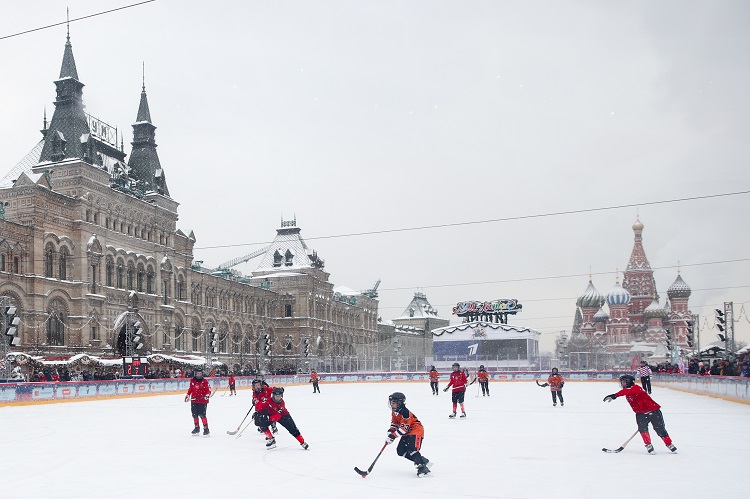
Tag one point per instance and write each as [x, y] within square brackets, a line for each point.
[636, 324]
[89, 243]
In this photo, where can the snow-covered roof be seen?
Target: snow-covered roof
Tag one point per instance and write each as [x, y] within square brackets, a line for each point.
[420, 308]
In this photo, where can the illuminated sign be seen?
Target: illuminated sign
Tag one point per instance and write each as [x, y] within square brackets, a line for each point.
[135, 366]
[496, 307]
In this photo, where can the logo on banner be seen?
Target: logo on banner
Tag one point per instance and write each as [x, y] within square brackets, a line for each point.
[473, 349]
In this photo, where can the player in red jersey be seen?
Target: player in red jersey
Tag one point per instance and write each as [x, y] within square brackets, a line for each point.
[261, 395]
[275, 410]
[458, 381]
[405, 424]
[232, 390]
[198, 394]
[434, 378]
[646, 411]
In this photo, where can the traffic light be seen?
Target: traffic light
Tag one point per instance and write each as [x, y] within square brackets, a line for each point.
[721, 321]
[137, 334]
[307, 347]
[213, 340]
[267, 344]
[12, 322]
[690, 335]
[668, 340]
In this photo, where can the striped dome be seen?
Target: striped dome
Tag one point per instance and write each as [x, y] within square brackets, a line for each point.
[679, 289]
[618, 295]
[590, 298]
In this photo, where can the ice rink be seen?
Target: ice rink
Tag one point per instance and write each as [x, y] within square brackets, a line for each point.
[513, 444]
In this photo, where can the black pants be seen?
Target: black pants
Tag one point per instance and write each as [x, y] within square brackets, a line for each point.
[434, 386]
[646, 383]
[287, 422]
[485, 387]
[409, 447]
[656, 418]
[315, 387]
[198, 410]
[556, 395]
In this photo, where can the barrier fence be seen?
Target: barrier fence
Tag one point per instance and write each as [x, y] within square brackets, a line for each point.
[10, 393]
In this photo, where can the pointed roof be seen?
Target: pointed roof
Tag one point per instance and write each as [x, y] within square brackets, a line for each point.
[143, 112]
[144, 160]
[287, 251]
[68, 68]
[419, 308]
[638, 260]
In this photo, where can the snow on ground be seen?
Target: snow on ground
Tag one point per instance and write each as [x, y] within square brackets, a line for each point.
[513, 444]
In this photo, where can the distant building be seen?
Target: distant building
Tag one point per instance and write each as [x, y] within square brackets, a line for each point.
[635, 325]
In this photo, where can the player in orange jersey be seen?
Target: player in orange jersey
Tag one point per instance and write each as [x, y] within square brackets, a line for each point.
[484, 380]
[405, 424]
[434, 378]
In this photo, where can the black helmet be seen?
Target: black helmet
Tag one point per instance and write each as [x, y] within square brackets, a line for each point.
[197, 371]
[397, 397]
[481, 366]
[554, 370]
[257, 381]
[278, 391]
[628, 379]
[432, 368]
[456, 365]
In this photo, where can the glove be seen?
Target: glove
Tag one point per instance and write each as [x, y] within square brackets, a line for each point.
[261, 420]
[445, 389]
[610, 398]
[187, 397]
[207, 397]
[390, 438]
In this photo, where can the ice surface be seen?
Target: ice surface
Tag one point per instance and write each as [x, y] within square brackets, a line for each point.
[514, 444]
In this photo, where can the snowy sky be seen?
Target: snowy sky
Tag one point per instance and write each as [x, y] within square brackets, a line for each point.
[513, 444]
[383, 115]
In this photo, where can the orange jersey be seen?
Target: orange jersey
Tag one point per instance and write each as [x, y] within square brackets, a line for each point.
[434, 376]
[314, 377]
[404, 422]
[556, 382]
[483, 376]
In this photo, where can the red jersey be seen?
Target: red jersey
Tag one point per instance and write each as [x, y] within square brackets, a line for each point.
[314, 377]
[638, 399]
[276, 410]
[199, 390]
[404, 422]
[556, 382]
[261, 398]
[231, 379]
[434, 376]
[458, 381]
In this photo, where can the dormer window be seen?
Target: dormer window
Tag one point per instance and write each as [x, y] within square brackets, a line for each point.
[288, 258]
[277, 259]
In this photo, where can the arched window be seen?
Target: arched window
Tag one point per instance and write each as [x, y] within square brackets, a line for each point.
[49, 259]
[277, 259]
[130, 275]
[120, 274]
[63, 263]
[150, 281]
[56, 329]
[109, 272]
[180, 291]
[139, 278]
[288, 258]
[196, 336]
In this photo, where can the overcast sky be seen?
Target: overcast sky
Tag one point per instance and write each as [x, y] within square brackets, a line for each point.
[383, 115]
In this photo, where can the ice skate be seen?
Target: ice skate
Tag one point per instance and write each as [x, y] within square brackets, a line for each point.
[422, 471]
[196, 430]
[463, 415]
[304, 446]
[672, 447]
[452, 415]
[271, 444]
[206, 431]
[650, 449]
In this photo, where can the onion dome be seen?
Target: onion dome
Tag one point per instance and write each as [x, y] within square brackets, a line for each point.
[654, 310]
[601, 315]
[618, 295]
[590, 298]
[637, 225]
[679, 289]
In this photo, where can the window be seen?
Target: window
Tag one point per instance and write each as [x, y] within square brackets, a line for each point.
[180, 289]
[196, 336]
[139, 279]
[289, 258]
[120, 275]
[94, 332]
[55, 330]
[287, 310]
[109, 272]
[16, 265]
[63, 263]
[130, 275]
[2, 263]
[276, 259]
[150, 282]
[49, 260]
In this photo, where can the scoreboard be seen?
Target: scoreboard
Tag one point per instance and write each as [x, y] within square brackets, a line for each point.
[135, 366]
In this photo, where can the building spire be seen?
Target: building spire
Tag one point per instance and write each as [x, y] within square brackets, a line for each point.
[144, 115]
[68, 69]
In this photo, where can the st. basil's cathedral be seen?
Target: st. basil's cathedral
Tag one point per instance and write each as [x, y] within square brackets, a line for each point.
[636, 325]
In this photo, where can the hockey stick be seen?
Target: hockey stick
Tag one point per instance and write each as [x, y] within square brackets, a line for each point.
[364, 474]
[543, 385]
[620, 448]
[240, 425]
[243, 429]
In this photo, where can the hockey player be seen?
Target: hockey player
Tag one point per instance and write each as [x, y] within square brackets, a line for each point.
[198, 394]
[261, 395]
[405, 424]
[484, 380]
[646, 411]
[275, 410]
[556, 382]
[232, 390]
[458, 381]
[434, 378]
[314, 380]
[644, 372]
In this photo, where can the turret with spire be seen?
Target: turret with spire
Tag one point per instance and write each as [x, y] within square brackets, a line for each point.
[638, 278]
[144, 160]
